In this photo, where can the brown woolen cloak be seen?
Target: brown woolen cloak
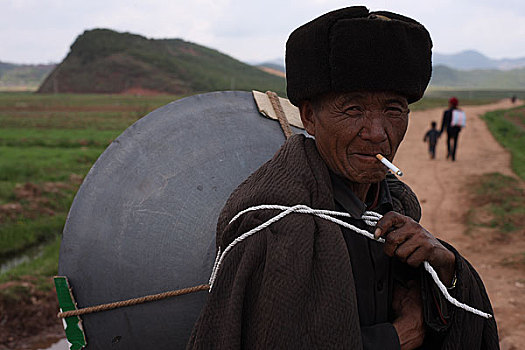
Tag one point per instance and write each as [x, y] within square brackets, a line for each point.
[290, 286]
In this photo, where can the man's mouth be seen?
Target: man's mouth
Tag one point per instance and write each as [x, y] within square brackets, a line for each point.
[365, 157]
[368, 155]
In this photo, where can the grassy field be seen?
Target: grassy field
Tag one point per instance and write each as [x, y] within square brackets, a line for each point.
[508, 127]
[439, 98]
[498, 209]
[47, 145]
[498, 203]
[473, 95]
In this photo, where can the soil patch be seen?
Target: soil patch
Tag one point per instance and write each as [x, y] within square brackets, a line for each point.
[33, 200]
[28, 315]
[517, 117]
[138, 91]
[55, 108]
[273, 71]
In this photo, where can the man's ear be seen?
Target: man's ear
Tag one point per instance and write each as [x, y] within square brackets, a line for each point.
[308, 117]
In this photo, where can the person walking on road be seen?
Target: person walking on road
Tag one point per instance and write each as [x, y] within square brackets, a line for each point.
[453, 121]
[432, 136]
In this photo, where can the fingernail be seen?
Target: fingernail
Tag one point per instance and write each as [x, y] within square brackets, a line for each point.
[377, 233]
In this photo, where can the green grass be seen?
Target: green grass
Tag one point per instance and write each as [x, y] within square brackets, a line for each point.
[14, 101]
[44, 164]
[507, 128]
[498, 207]
[517, 117]
[71, 120]
[42, 267]
[6, 192]
[498, 203]
[48, 143]
[439, 98]
[56, 138]
[17, 236]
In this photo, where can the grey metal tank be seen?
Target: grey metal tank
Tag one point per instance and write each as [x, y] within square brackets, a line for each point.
[143, 221]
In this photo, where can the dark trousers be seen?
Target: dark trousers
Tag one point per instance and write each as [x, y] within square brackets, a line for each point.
[432, 150]
[452, 137]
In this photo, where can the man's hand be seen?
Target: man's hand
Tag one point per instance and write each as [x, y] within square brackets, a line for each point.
[411, 243]
[409, 324]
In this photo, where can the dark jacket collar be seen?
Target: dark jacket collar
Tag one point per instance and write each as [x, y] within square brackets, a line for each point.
[379, 198]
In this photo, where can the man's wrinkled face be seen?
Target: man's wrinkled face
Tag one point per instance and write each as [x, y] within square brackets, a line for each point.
[351, 128]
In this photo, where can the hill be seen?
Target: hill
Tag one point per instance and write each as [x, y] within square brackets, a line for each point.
[274, 66]
[443, 76]
[470, 60]
[105, 61]
[274, 69]
[23, 76]
[446, 77]
[467, 69]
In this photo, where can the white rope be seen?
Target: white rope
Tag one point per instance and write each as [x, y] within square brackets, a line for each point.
[449, 297]
[369, 217]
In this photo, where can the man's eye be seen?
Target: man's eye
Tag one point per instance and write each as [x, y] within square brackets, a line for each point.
[353, 110]
[395, 111]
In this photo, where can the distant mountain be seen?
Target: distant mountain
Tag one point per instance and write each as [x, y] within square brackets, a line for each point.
[273, 69]
[23, 76]
[469, 60]
[276, 62]
[273, 66]
[443, 76]
[491, 76]
[105, 61]
[465, 60]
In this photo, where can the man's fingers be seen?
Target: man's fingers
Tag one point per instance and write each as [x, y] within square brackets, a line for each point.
[417, 257]
[393, 240]
[388, 221]
[405, 249]
[377, 233]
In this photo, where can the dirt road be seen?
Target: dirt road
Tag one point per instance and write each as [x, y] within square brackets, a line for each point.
[441, 186]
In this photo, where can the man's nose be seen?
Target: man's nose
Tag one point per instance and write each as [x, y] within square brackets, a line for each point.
[374, 129]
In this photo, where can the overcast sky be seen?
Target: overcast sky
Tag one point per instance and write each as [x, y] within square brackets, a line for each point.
[41, 31]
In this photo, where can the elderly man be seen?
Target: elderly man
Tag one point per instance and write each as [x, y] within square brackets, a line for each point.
[305, 282]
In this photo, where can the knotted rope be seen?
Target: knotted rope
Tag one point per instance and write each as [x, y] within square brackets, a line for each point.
[370, 218]
[279, 112]
[129, 302]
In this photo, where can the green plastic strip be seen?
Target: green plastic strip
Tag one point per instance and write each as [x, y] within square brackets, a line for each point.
[73, 324]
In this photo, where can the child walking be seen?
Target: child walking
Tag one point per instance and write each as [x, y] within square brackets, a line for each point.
[431, 136]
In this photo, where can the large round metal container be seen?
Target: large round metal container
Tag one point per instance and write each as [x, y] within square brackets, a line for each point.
[143, 221]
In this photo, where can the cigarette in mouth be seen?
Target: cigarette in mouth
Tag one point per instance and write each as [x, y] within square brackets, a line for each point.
[389, 165]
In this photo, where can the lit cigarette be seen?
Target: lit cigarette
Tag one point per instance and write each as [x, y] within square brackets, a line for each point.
[389, 165]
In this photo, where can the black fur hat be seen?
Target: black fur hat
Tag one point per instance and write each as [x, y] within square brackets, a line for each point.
[353, 49]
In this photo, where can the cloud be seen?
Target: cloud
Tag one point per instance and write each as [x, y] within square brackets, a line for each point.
[41, 31]
[497, 34]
